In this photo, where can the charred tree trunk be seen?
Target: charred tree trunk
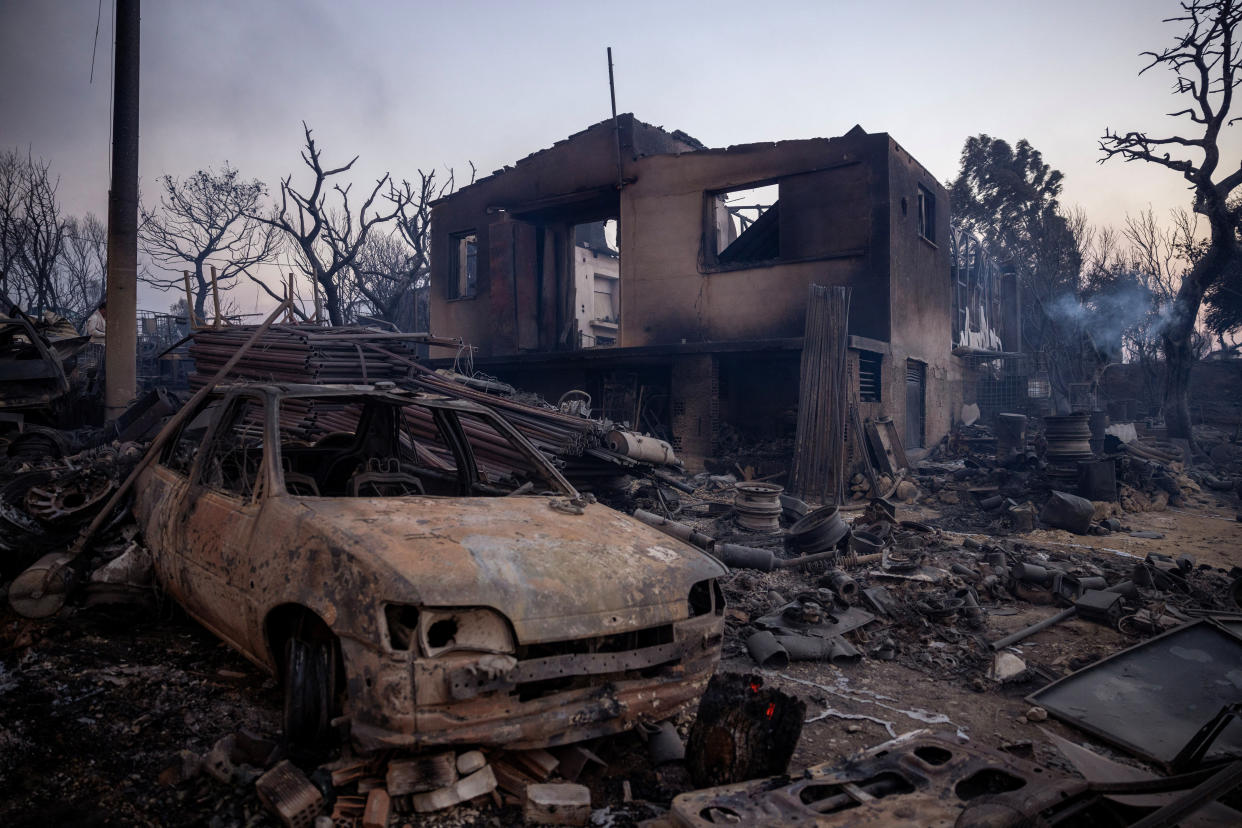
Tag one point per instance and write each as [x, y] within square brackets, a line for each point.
[331, 301]
[201, 288]
[1179, 359]
[1178, 336]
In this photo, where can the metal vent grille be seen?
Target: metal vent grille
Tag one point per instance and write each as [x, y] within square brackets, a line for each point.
[869, 365]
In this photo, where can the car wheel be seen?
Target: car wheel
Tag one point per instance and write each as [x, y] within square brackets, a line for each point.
[310, 697]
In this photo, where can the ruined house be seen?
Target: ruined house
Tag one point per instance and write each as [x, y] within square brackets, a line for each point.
[716, 249]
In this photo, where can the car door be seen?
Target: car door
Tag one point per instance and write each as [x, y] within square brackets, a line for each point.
[224, 501]
[162, 496]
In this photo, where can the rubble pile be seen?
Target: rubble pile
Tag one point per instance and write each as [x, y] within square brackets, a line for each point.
[948, 568]
[44, 504]
[966, 476]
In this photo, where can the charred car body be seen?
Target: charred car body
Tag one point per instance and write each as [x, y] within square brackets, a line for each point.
[350, 539]
[39, 379]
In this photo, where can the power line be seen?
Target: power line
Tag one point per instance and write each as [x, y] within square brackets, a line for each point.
[95, 45]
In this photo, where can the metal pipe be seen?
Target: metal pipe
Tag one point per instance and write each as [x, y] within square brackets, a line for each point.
[746, 557]
[616, 124]
[674, 529]
[1050, 621]
[767, 651]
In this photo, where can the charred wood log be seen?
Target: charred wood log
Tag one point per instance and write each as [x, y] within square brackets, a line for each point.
[743, 731]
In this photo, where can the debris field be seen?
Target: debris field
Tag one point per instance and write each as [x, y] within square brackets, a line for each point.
[927, 650]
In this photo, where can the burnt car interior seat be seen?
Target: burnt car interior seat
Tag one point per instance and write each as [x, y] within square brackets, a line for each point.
[303, 485]
[383, 477]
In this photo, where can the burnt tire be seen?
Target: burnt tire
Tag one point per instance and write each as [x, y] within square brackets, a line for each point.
[310, 697]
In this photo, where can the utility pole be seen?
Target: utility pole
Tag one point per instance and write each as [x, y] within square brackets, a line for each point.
[121, 349]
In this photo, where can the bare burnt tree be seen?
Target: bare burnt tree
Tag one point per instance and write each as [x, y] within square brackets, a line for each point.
[330, 239]
[1205, 61]
[35, 233]
[208, 218]
[381, 278]
[10, 214]
[84, 265]
[391, 271]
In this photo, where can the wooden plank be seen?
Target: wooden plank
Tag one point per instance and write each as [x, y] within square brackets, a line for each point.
[894, 444]
[538, 763]
[819, 445]
[511, 779]
[881, 449]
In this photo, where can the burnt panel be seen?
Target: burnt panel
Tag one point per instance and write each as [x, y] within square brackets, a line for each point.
[825, 213]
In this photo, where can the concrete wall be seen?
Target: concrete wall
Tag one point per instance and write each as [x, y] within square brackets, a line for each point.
[523, 216]
[672, 291]
[920, 298]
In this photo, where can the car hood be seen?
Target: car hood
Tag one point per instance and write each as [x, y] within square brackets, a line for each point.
[554, 574]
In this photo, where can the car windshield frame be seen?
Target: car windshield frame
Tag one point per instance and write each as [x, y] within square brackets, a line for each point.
[444, 409]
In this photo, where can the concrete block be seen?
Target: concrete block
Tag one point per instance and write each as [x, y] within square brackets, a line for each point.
[468, 787]
[470, 761]
[286, 792]
[1006, 666]
[562, 803]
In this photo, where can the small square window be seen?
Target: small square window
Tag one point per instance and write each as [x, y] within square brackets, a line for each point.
[464, 259]
[927, 214]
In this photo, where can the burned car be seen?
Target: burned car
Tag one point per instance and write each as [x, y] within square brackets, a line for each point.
[413, 566]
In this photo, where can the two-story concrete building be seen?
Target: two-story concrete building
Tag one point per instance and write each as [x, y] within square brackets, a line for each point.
[717, 248]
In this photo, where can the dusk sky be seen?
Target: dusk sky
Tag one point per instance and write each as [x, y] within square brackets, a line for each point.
[408, 85]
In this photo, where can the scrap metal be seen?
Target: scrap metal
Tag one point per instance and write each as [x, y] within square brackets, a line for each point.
[585, 449]
[37, 362]
[1152, 698]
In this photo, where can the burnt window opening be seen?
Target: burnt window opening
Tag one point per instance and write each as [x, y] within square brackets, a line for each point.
[510, 472]
[464, 258]
[597, 282]
[746, 224]
[800, 216]
[605, 304]
[927, 214]
[870, 364]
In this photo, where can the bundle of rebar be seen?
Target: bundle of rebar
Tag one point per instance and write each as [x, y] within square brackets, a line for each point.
[305, 353]
[819, 447]
[346, 355]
